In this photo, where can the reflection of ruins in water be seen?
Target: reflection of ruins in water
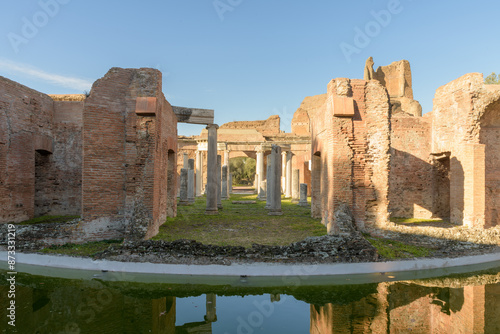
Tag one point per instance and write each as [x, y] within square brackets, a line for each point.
[466, 305]
[406, 307]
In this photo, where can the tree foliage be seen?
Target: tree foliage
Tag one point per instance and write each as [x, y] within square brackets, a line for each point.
[243, 170]
[492, 79]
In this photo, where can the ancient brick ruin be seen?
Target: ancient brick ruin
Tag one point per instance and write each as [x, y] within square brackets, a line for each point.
[374, 153]
[103, 157]
[363, 148]
[367, 153]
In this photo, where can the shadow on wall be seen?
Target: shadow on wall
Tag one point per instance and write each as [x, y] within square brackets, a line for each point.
[419, 189]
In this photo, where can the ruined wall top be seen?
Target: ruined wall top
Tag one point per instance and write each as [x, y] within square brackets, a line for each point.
[68, 97]
[302, 116]
[458, 108]
[144, 82]
[396, 77]
[235, 135]
[467, 82]
[269, 126]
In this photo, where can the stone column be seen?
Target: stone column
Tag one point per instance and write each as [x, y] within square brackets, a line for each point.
[184, 187]
[211, 308]
[211, 188]
[275, 209]
[268, 182]
[199, 173]
[219, 182]
[288, 186]
[262, 190]
[260, 172]
[295, 186]
[185, 159]
[283, 171]
[303, 194]
[229, 183]
[190, 189]
[224, 182]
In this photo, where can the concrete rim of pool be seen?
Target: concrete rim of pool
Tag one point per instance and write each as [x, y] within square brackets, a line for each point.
[248, 274]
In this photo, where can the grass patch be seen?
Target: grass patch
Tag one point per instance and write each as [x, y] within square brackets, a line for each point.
[241, 224]
[400, 220]
[392, 249]
[422, 222]
[48, 219]
[86, 249]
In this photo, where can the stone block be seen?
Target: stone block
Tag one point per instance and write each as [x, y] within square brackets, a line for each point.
[343, 106]
[43, 143]
[145, 106]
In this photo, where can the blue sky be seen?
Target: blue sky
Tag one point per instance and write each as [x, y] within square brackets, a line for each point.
[247, 59]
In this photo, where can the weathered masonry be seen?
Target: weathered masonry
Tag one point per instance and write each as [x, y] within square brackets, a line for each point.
[374, 155]
[109, 157]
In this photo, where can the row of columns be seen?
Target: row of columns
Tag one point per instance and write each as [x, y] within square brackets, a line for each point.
[279, 174]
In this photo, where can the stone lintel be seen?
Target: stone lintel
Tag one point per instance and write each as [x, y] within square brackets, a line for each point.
[194, 115]
[145, 106]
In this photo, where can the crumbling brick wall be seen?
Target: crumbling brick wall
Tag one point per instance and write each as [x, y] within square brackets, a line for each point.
[129, 131]
[411, 175]
[40, 168]
[463, 127]
[350, 147]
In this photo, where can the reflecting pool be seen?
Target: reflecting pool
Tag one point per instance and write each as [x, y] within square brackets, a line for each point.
[459, 303]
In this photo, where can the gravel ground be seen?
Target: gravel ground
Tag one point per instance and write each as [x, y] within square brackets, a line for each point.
[325, 249]
[441, 241]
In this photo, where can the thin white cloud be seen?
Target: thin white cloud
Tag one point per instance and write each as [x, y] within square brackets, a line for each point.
[54, 79]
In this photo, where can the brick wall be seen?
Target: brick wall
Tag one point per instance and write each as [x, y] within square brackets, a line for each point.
[490, 137]
[411, 177]
[26, 118]
[352, 154]
[463, 125]
[125, 154]
[59, 175]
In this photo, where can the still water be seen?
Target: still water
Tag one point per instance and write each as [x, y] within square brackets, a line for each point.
[459, 303]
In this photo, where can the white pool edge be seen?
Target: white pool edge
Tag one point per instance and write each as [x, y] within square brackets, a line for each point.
[252, 270]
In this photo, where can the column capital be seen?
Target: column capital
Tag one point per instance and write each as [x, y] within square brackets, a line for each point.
[212, 126]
